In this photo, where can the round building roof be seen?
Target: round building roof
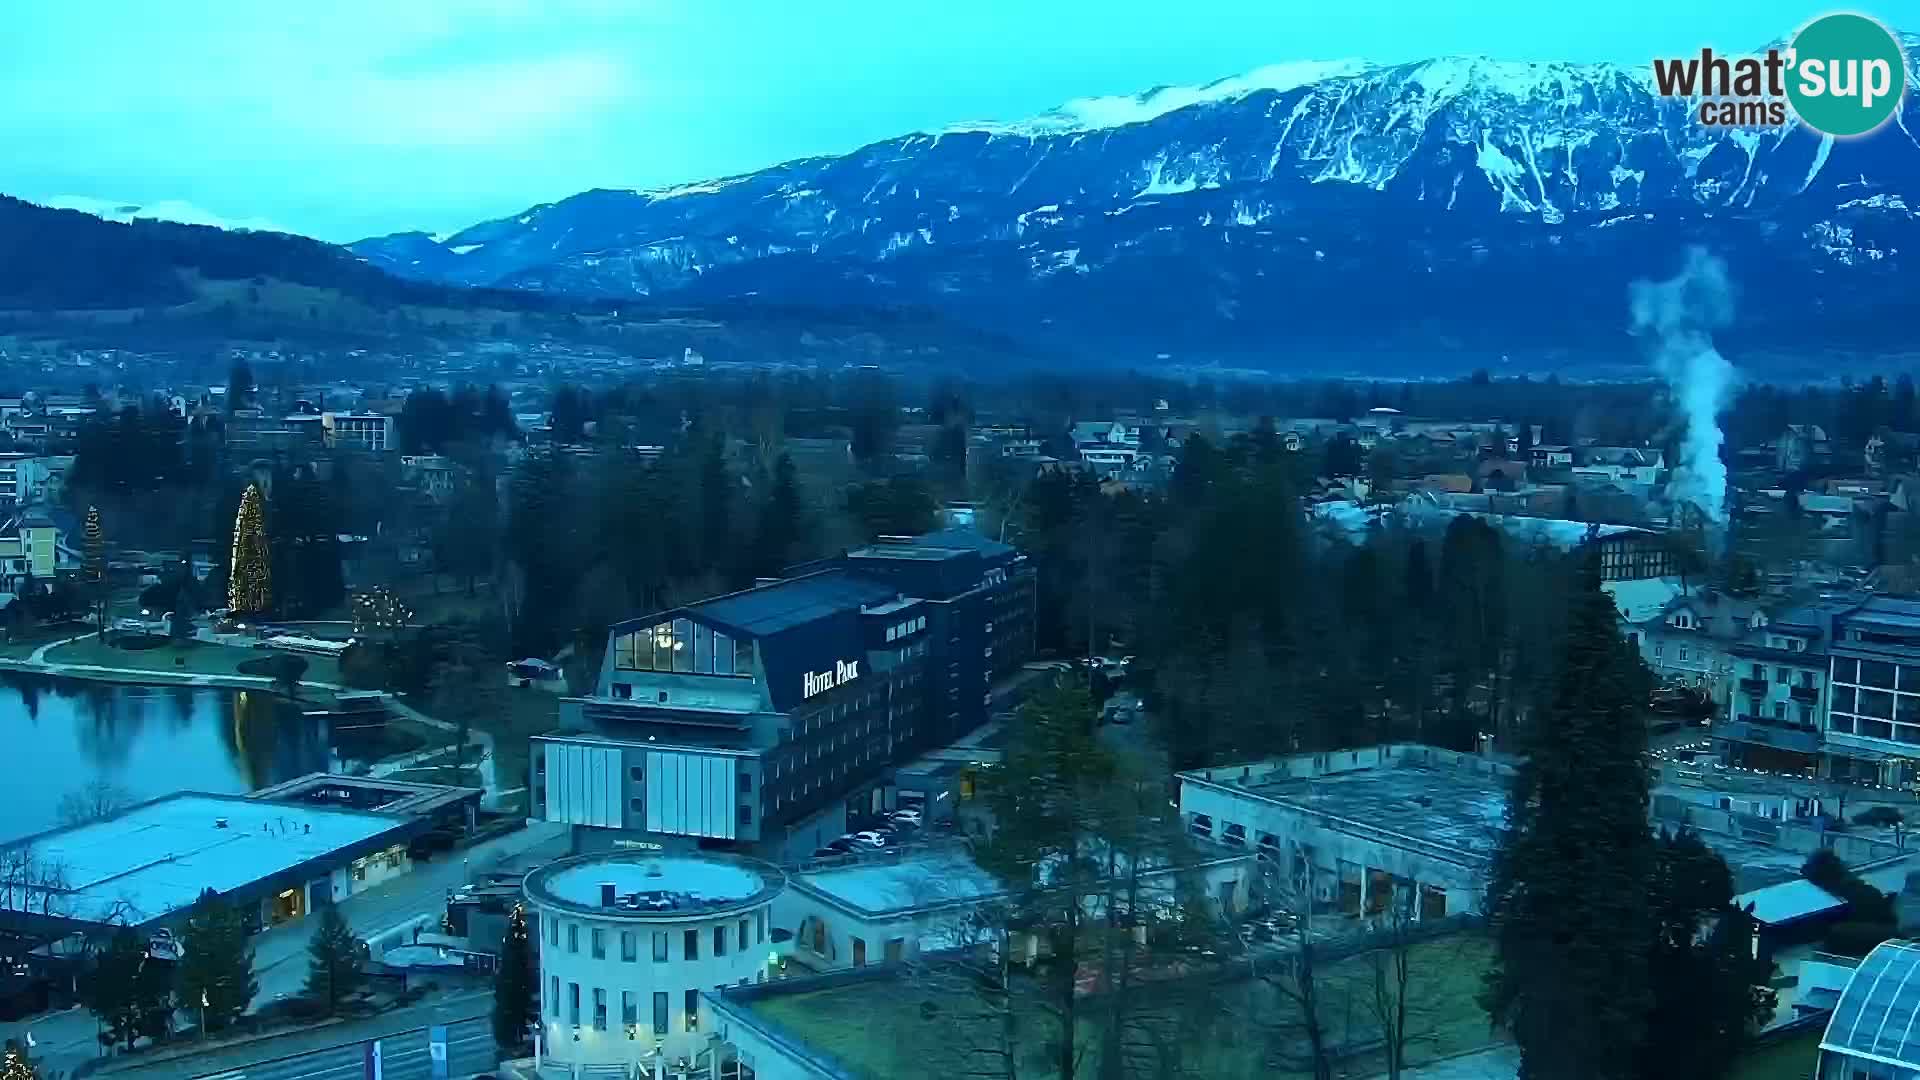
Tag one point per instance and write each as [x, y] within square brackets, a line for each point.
[653, 887]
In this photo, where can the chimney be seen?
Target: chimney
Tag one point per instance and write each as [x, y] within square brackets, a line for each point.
[607, 898]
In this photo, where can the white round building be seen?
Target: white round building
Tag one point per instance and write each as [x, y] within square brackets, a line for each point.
[628, 941]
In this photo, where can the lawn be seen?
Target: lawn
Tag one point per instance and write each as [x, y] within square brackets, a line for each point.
[1789, 1059]
[1224, 1028]
[196, 658]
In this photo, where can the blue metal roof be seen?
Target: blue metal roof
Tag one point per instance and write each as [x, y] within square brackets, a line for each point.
[1878, 1009]
[784, 605]
[964, 538]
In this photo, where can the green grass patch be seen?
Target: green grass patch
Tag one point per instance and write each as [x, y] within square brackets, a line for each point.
[1223, 1028]
[193, 658]
[1789, 1059]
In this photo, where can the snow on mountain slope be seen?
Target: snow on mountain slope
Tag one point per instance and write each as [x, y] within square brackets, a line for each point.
[1478, 166]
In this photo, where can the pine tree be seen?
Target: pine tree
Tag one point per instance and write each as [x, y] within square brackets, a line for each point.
[216, 963]
[1568, 897]
[779, 527]
[515, 1009]
[333, 965]
[250, 581]
[108, 991]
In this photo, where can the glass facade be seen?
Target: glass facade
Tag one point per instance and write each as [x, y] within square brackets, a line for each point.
[682, 645]
[1875, 699]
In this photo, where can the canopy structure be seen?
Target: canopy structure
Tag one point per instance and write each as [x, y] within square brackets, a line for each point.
[1876, 1017]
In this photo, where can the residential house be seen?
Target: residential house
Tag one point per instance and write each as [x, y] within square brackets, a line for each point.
[1500, 474]
[1872, 732]
[24, 479]
[364, 431]
[37, 546]
[1801, 446]
[1630, 467]
[1553, 457]
[1833, 512]
[1688, 643]
[1776, 692]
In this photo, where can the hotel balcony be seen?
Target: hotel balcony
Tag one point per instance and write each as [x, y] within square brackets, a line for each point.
[1764, 731]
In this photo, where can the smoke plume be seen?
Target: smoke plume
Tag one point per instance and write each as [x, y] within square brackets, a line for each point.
[1683, 312]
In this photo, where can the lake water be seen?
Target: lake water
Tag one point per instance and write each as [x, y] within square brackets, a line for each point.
[61, 734]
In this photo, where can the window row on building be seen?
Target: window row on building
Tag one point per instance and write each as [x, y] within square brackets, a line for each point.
[683, 646]
[738, 936]
[661, 1001]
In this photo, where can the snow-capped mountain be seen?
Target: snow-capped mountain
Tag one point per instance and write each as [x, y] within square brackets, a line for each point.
[1453, 200]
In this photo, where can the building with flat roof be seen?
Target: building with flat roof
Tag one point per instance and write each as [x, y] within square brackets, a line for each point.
[444, 805]
[1358, 830]
[891, 906]
[630, 940]
[757, 720]
[1873, 700]
[148, 864]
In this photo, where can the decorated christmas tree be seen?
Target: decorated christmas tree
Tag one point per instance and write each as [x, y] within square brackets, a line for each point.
[96, 547]
[15, 1065]
[250, 577]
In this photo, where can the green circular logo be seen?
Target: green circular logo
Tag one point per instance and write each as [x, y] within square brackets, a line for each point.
[1847, 74]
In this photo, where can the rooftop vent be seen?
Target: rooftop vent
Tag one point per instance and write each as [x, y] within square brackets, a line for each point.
[653, 870]
[219, 823]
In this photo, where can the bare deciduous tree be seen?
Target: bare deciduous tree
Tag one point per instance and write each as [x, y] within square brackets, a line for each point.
[97, 800]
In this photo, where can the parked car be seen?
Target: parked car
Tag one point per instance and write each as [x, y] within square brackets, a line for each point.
[842, 846]
[909, 817]
[869, 838]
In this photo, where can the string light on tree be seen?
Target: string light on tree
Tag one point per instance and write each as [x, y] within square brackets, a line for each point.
[14, 1064]
[380, 609]
[250, 579]
[96, 544]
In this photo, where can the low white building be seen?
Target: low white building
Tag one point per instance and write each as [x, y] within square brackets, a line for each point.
[892, 906]
[630, 940]
[1358, 830]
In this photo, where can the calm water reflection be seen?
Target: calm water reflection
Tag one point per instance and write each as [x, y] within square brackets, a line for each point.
[61, 734]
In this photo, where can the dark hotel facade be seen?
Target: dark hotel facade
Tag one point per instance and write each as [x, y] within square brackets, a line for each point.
[754, 721]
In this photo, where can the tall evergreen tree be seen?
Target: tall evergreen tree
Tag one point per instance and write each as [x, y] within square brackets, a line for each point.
[778, 530]
[216, 963]
[515, 1008]
[333, 962]
[250, 578]
[1568, 896]
[1709, 991]
[129, 992]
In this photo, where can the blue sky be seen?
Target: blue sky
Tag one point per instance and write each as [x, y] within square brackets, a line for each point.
[355, 117]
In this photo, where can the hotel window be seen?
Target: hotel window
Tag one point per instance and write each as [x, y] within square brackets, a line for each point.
[690, 945]
[625, 652]
[553, 996]
[599, 1009]
[629, 1009]
[1842, 724]
[720, 941]
[659, 946]
[1876, 673]
[553, 932]
[702, 650]
[598, 943]
[659, 1012]
[1780, 676]
[693, 1010]
[746, 815]
[573, 937]
[760, 927]
[629, 949]
[743, 935]
[1683, 654]
[573, 1004]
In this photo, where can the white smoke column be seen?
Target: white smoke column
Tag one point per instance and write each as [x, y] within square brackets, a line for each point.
[1683, 312]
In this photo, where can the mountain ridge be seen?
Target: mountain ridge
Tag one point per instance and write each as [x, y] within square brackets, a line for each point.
[1159, 229]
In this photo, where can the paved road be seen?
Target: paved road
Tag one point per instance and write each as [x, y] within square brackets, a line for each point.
[404, 1055]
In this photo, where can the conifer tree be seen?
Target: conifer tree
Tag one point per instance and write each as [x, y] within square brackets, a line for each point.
[216, 963]
[250, 581]
[333, 965]
[1568, 899]
[514, 1007]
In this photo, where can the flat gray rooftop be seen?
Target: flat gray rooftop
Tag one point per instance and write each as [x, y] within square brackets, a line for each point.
[920, 880]
[1457, 808]
[654, 886]
[158, 857]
